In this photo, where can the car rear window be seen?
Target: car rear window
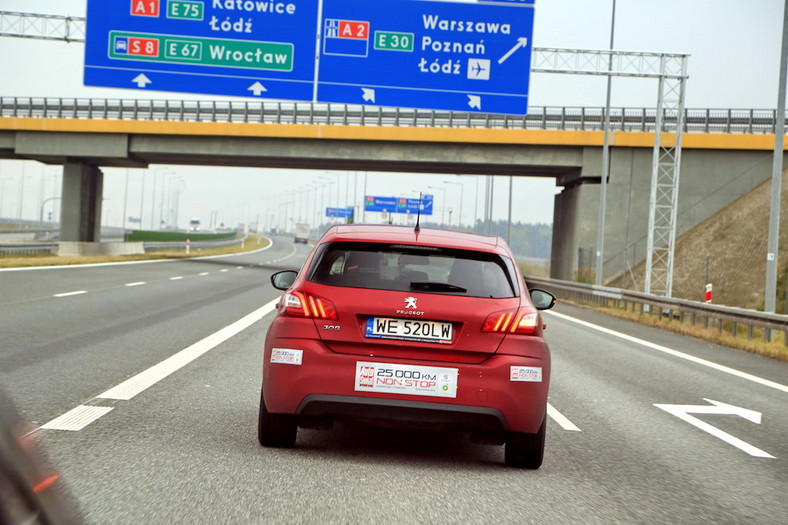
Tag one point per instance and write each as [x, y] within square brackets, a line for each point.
[414, 268]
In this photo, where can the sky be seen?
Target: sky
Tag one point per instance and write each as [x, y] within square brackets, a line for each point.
[734, 49]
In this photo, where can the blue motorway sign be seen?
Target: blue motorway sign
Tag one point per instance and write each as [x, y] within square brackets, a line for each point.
[343, 213]
[406, 53]
[222, 47]
[426, 54]
[398, 204]
[373, 203]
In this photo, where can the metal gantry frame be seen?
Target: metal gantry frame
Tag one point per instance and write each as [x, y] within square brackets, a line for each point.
[42, 27]
[670, 69]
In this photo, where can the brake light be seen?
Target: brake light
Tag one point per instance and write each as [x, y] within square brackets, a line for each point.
[522, 321]
[302, 304]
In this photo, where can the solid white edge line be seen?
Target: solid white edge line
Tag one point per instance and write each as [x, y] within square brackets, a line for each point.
[147, 378]
[676, 353]
[69, 294]
[561, 419]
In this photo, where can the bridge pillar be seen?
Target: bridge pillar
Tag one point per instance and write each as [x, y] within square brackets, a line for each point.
[574, 223]
[80, 215]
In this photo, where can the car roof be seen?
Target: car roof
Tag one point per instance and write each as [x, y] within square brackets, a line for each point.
[424, 237]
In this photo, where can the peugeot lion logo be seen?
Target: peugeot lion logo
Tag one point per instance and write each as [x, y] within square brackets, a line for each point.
[410, 302]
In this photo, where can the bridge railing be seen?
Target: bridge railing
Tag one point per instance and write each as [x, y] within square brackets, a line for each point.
[723, 318]
[539, 117]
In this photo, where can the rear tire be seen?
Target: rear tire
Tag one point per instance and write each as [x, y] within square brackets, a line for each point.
[276, 430]
[525, 450]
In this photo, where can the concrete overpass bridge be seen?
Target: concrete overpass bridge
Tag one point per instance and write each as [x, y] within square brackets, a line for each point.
[726, 153]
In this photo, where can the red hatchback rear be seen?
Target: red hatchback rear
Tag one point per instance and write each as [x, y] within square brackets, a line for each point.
[430, 328]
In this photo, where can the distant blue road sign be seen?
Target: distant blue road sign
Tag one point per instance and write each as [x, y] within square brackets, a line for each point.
[424, 54]
[343, 213]
[388, 204]
[398, 204]
[408, 53]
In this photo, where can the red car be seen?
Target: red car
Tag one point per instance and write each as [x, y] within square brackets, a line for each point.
[396, 325]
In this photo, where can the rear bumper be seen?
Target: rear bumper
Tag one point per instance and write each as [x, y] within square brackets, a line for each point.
[487, 398]
[403, 413]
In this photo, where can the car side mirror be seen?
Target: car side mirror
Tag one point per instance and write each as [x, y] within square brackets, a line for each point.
[284, 279]
[542, 300]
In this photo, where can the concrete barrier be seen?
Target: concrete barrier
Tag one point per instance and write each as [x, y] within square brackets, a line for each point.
[66, 249]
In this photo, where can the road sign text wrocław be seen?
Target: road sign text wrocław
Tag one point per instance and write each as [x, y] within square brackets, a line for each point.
[397, 53]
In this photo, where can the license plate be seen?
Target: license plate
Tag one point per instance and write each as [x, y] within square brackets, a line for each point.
[408, 330]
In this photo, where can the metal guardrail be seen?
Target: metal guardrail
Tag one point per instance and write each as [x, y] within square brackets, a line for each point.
[18, 249]
[681, 309]
[752, 121]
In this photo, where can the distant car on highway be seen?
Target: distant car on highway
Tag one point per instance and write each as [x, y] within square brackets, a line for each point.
[301, 233]
[419, 328]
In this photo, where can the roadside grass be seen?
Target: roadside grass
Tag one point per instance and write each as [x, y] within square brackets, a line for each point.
[721, 335]
[253, 242]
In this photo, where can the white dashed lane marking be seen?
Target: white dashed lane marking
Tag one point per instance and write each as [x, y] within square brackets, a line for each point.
[559, 418]
[77, 418]
[68, 294]
[81, 416]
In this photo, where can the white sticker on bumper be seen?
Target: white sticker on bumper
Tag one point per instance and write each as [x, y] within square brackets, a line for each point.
[287, 356]
[531, 374]
[406, 379]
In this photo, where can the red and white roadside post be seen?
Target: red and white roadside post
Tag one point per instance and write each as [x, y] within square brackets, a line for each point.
[708, 293]
[188, 244]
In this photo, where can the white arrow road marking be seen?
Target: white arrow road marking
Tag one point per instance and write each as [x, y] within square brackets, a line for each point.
[475, 101]
[683, 412]
[256, 89]
[561, 419]
[368, 95]
[521, 42]
[141, 80]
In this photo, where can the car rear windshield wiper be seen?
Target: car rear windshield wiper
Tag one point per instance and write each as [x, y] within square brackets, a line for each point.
[436, 287]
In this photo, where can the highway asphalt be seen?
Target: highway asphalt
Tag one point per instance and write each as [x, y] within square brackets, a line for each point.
[646, 426]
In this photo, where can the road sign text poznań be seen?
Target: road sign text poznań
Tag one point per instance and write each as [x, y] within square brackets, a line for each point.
[407, 53]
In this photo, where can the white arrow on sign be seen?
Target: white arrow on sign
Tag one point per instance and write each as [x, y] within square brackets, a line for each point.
[256, 89]
[475, 101]
[141, 80]
[683, 412]
[368, 95]
[521, 42]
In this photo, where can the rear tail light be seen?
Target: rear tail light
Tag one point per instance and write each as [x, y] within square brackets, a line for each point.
[522, 321]
[302, 304]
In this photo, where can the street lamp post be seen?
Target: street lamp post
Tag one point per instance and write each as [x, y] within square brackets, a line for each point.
[41, 215]
[443, 208]
[462, 191]
[600, 238]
